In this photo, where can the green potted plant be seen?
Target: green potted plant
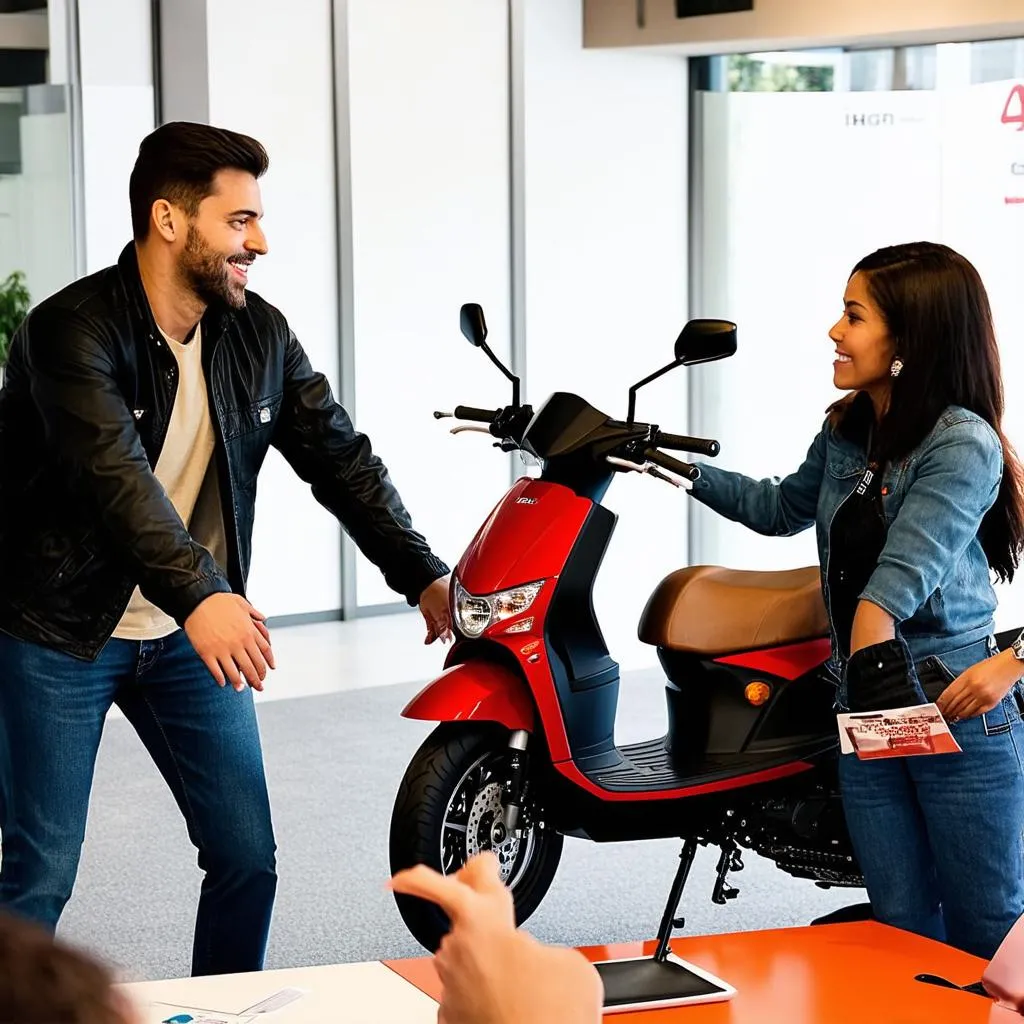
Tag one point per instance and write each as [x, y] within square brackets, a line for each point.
[14, 304]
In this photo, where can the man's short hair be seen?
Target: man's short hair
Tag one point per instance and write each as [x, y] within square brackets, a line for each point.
[43, 981]
[178, 162]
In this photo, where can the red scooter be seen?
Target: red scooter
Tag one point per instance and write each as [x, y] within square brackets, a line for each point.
[524, 753]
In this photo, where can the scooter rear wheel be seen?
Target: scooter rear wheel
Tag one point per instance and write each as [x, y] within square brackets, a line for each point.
[446, 810]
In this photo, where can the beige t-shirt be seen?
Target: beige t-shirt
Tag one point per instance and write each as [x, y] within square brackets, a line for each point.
[188, 474]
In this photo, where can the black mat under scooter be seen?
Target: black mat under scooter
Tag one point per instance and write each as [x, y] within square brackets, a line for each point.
[632, 982]
[649, 766]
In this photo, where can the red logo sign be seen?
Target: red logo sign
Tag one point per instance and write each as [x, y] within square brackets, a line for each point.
[1013, 110]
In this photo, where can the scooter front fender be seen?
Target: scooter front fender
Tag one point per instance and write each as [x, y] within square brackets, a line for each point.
[475, 691]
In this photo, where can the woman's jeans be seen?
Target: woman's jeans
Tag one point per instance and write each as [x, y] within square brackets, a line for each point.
[203, 739]
[939, 837]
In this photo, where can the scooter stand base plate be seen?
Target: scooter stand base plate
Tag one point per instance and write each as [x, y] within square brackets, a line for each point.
[644, 983]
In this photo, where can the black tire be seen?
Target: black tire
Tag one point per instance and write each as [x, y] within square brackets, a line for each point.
[443, 773]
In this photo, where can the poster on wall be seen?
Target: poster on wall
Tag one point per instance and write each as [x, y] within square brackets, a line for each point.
[797, 188]
[982, 130]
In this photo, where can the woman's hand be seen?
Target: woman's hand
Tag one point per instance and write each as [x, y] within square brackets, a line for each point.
[980, 688]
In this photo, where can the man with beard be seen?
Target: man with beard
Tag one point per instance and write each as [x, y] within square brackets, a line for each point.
[138, 406]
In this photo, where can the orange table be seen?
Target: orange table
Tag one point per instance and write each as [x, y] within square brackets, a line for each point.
[860, 973]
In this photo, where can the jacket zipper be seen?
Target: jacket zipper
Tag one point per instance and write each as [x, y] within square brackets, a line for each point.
[828, 565]
[223, 466]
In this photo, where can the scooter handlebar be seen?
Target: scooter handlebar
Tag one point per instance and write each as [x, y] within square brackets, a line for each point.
[467, 412]
[682, 443]
[682, 469]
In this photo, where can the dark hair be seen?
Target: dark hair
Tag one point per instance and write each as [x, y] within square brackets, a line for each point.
[178, 162]
[939, 319]
[43, 981]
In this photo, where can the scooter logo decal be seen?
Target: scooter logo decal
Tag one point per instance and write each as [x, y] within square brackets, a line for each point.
[526, 501]
[529, 647]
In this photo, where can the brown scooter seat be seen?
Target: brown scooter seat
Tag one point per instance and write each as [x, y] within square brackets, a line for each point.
[706, 609]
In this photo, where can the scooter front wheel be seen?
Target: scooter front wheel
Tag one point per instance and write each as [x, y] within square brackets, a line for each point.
[449, 807]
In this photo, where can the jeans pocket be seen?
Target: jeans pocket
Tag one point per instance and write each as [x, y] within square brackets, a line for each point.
[1001, 718]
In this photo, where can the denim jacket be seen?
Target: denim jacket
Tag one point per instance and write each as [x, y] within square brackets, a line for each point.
[932, 577]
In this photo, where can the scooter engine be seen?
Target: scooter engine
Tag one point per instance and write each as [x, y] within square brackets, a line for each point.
[805, 836]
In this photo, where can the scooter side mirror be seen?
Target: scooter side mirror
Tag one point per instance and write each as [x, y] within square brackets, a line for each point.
[700, 341]
[474, 327]
[704, 341]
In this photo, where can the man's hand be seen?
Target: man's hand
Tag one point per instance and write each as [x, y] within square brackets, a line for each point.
[491, 973]
[434, 607]
[980, 688]
[232, 639]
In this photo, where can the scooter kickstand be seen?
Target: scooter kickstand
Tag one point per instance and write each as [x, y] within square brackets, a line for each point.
[669, 919]
[726, 863]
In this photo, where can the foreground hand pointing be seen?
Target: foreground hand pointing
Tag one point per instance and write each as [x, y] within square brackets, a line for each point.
[492, 973]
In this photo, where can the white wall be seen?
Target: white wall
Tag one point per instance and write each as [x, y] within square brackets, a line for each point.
[428, 102]
[789, 24]
[606, 271]
[605, 212]
[117, 112]
[283, 95]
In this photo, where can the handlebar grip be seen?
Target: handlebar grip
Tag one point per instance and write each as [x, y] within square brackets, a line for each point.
[467, 412]
[683, 469]
[682, 443]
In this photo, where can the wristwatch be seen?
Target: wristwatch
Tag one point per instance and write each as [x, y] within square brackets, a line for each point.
[1018, 648]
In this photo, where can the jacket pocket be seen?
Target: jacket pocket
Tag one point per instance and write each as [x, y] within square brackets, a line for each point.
[53, 562]
[893, 488]
[71, 568]
[842, 466]
[260, 415]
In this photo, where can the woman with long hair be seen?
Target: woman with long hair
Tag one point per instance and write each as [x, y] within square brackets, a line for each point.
[917, 500]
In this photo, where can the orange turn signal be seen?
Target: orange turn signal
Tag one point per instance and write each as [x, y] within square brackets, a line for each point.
[757, 693]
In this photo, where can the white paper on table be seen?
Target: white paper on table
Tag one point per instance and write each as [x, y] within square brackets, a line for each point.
[362, 993]
[158, 1013]
[896, 732]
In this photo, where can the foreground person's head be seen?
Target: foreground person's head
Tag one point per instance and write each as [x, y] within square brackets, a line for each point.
[43, 981]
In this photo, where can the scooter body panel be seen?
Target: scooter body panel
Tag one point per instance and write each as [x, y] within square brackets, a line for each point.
[526, 538]
[475, 691]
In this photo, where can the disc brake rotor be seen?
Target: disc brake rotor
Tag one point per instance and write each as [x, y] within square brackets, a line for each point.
[483, 814]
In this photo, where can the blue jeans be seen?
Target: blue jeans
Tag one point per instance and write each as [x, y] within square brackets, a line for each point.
[940, 838]
[203, 739]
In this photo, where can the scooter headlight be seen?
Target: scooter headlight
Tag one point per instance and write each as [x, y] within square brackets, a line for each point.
[473, 614]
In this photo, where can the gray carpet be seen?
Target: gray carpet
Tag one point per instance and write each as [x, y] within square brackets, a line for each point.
[334, 763]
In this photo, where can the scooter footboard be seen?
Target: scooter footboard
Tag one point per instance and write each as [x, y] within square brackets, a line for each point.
[477, 692]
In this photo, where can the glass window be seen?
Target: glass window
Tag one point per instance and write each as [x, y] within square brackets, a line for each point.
[37, 227]
[997, 60]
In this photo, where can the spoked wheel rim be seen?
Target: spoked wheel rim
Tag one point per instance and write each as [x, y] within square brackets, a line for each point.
[472, 823]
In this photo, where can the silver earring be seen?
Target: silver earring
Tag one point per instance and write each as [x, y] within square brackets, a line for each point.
[897, 368]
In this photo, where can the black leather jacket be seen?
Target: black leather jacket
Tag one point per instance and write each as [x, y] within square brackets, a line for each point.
[84, 411]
